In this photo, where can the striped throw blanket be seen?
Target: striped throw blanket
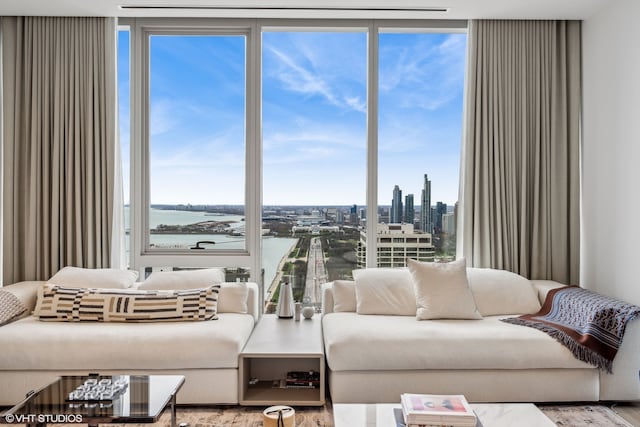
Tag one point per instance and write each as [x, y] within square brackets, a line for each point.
[590, 325]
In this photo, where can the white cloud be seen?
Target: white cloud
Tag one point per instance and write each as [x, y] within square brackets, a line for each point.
[356, 103]
[163, 118]
[306, 77]
[423, 75]
[301, 80]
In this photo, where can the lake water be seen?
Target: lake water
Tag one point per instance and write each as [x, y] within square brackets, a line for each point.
[273, 248]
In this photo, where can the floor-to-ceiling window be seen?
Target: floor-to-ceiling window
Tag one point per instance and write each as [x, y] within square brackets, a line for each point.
[420, 88]
[314, 100]
[124, 124]
[285, 145]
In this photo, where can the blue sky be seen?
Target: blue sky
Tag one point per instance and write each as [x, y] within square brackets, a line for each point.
[314, 117]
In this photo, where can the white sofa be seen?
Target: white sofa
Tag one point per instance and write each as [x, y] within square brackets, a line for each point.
[375, 358]
[34, 352]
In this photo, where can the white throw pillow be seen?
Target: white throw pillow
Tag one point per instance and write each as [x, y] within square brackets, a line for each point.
[442, 290]
[344, 296]
[107, 278]
[233, 298]
[384, 291]
[183, 279]
[502, 292]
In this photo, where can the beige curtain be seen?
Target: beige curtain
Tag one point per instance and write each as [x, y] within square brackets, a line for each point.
[520, 185]
[59, 138]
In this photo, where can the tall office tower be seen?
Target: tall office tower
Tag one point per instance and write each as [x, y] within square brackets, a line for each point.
[426, 223]
[409, 209]
[396, 206]
[441, 209]
[353, 215]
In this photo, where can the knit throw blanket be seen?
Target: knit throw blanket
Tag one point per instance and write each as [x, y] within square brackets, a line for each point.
[590, 325]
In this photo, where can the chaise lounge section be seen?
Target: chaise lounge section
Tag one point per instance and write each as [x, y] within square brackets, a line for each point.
[373, 358]
[35, 352]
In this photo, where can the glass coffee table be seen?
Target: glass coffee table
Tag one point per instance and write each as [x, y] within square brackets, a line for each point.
[98, 399]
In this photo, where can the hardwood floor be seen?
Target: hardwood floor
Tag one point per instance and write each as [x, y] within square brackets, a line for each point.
[629, 411]
[565, 415]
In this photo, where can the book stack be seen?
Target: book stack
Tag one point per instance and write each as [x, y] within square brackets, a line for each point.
[425, 410]
[303, 379]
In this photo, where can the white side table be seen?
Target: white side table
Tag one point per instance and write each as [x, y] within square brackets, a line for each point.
[276, 347]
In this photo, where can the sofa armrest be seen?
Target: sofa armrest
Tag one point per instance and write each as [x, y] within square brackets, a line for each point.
[26, 292]
[253, 300]
[624, 383]
[543, 287]
[327, 298]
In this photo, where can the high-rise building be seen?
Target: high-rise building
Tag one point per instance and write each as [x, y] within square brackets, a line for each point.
[441, 209]
[455, 217]
[409, 209]
[396, 206]
[396, 243]
[426, 223]
[353, 215]
[449, 224]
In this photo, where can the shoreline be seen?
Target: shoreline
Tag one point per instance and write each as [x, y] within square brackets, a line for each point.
[276, 280]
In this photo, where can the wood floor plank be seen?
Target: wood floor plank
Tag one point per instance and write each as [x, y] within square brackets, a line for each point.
[565, 415]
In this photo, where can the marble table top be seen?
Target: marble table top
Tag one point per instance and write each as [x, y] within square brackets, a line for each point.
[490, 415]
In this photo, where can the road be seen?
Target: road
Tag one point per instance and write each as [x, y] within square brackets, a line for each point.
[316, 272]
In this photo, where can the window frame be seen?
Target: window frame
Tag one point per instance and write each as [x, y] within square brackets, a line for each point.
[142, 256]
[140, 31]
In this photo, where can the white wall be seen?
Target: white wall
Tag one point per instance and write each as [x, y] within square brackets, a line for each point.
[611, 151]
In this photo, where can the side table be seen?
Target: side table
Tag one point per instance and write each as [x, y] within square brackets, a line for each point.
[278, 346]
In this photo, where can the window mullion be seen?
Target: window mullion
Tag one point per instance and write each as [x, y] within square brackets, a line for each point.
[372, 144]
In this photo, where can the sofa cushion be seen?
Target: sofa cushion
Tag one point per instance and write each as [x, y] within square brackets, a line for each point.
[233, 298]
[363, 342]
[76, 277]
[58, 303]
[344, 296]
[94, 346]
[502, 292]
[183, 279]
[442, 290]
[384, 291]
[10, 307]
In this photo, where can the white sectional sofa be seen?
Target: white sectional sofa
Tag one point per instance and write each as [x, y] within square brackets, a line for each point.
[34, 352]
[373, 358]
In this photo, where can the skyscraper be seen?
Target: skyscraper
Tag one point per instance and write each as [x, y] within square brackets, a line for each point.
[426, 223]
[353, 214]
[409, 209]
[441, 209]
[395, 216]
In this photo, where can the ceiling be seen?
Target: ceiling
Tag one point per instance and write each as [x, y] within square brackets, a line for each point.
[369, 9]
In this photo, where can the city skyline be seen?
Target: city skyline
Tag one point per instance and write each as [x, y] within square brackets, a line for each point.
[399, 211]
